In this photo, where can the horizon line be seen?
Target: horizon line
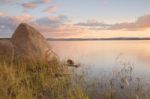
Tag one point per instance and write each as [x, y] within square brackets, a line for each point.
[84, 39]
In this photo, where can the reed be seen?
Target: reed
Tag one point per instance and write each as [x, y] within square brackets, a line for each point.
[42, 80]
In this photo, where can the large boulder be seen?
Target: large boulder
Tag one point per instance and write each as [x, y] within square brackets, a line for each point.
[27, 43]
[30, 44]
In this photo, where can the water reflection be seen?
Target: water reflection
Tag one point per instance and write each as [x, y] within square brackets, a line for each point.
[104, 55]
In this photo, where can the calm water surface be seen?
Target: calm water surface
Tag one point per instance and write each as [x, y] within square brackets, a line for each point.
[99, 57]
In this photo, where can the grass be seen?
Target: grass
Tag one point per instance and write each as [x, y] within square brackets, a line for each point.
[42, 80]
[19, 80]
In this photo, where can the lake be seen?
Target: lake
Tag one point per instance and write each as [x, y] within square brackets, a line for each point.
[105, 57]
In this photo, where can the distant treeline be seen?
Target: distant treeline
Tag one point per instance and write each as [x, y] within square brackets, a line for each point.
[94, 39]
[90, 39]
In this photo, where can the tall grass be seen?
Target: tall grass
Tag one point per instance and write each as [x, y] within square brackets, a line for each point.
[42, 80]
[20, 80]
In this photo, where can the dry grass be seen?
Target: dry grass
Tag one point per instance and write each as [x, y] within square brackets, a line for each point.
[19, 80]
[41, 80]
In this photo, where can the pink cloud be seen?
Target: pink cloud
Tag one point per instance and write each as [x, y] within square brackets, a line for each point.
[23, 18]
[67, 30]
[46, 1]
[61, 26]
[55, 27]
[29, 5]
[51, 9]
[141, 23]
[35, 3]
[41, 1]
[2, 14]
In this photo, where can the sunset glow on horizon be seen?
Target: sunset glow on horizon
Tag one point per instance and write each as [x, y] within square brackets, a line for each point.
[76, 18]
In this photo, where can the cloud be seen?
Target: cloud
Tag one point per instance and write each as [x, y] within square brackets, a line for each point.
[2, 14]
[51, 9]
[61, 31]
[61, 26]
[35, 3]
[5, 1]
[8, 2]
[56, 26]
[46, 1]
[9, 23]
[29, 5]
[141, 23]
[52, 25]
[94, 24]
[23, 18]
[41, 1]
[52, 21]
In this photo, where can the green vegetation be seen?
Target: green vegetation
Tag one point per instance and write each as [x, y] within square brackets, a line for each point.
[21, 80]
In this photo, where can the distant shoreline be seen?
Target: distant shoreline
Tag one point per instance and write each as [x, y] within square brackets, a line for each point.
[89, 39]
[95, 39]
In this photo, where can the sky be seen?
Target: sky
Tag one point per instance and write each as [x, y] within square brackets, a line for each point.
[77, 18]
